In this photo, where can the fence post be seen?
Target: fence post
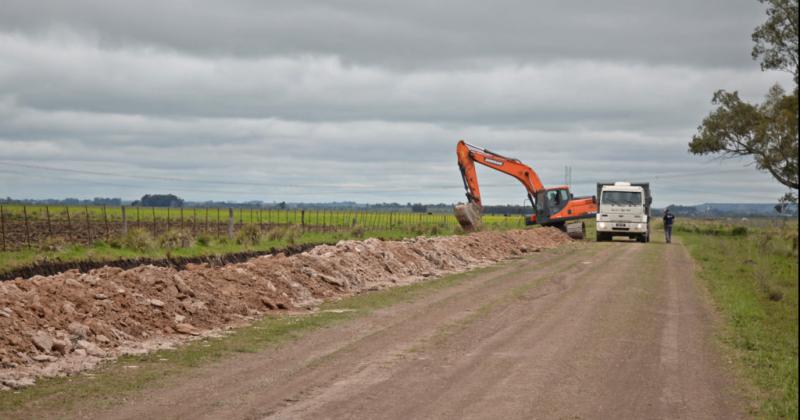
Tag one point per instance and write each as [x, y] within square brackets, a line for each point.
[27, 231]
[69, 224]
[105, 220]
[49, 226]
[124, 221]
[194, 220]
[154, 222]
[231, 220]
[181, 218]
[303, 219]
[167, 218]
[3, 226]
[217, 222]
[88, 224]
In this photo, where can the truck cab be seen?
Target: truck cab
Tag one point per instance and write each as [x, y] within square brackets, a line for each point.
[623, 210]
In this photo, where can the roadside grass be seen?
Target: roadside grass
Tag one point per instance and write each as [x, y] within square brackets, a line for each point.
[114, 380]
[751, 272]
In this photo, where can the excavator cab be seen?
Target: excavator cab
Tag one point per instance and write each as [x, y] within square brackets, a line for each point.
[549, 202]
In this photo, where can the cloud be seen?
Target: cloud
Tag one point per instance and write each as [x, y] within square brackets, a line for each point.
[412, 33]
[341, 101]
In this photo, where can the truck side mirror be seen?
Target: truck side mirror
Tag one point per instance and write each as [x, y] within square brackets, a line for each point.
[649, 200]
[594, 199]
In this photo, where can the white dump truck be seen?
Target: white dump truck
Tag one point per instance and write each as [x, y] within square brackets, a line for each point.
[623, 210]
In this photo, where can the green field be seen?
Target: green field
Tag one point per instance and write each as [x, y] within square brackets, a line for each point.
[750, 269]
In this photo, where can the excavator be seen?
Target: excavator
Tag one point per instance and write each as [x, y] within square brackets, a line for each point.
[554, 206]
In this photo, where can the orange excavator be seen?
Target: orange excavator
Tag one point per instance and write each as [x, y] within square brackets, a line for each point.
[554, 206]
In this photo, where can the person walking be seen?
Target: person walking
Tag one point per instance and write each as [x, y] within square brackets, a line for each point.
[668, 218]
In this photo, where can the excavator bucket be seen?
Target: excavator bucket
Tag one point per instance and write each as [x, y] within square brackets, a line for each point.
[468, 216]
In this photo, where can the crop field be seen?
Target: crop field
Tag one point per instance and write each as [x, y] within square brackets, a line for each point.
[33, 226]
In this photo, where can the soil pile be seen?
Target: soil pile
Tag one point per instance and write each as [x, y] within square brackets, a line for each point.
[67, 322]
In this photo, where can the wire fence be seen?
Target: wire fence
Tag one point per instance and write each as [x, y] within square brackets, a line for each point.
[23, 226]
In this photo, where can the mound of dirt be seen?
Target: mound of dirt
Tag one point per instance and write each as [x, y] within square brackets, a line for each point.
[68, 322]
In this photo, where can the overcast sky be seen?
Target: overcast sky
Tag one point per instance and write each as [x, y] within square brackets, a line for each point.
[365, 100]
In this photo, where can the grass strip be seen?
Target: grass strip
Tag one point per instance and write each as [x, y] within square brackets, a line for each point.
[752, 279]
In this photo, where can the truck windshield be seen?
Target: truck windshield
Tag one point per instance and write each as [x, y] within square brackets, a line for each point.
[622, 198]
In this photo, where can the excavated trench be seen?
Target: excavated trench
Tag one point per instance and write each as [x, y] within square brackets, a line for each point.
[68, 322]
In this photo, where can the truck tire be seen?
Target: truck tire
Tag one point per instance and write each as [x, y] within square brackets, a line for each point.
[601, 237]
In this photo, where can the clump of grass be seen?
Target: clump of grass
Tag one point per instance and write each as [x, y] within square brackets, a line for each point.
[138, 239]
[291, 235]
[203, 239]
[357, 231]
[176, 238]
[249, 235]
[739, 231]
[53, 244]
[276, 233]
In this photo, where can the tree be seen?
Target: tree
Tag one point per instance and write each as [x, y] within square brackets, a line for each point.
[767, 131]
[159, 200]
[419, 208]
[777, 39]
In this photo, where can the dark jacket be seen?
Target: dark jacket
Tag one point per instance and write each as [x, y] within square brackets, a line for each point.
[668, 219]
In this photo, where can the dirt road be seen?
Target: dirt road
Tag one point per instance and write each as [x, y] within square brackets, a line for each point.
[611, 330]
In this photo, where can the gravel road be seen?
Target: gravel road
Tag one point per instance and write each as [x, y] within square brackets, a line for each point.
[608, 330]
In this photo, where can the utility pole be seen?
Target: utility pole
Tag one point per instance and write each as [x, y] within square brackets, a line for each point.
[568, 176]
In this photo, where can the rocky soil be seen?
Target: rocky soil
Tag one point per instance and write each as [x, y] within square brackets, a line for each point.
[66, 323]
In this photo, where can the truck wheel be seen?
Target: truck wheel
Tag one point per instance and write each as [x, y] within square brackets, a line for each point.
[601, 237]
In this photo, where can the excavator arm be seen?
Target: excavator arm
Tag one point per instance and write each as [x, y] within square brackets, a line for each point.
[469, 154]
[551, 206]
